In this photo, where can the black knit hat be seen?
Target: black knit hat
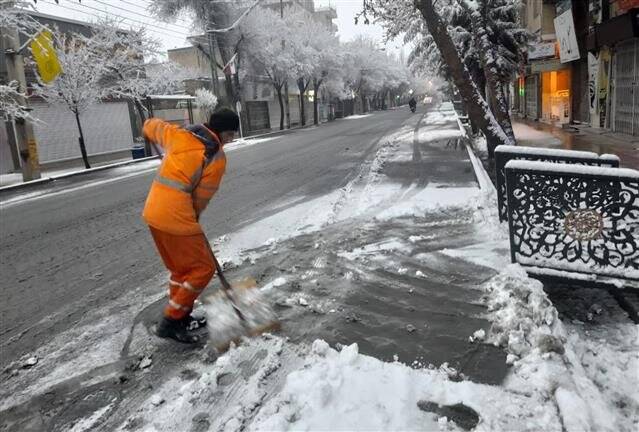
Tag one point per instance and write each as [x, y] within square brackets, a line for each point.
[224, 119]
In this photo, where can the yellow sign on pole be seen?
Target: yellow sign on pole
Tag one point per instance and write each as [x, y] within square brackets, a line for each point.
[45, 56]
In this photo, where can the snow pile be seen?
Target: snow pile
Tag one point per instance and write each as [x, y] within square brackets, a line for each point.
[344, 390]
[550, 364]
[523, 317]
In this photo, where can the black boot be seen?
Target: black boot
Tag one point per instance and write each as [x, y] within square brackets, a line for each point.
[194, 322]
[177, 330]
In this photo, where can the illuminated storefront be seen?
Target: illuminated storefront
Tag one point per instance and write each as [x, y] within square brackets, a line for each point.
[555, 96]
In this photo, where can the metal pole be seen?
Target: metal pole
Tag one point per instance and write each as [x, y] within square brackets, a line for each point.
[27, 146]
[13, 145]
[286, 103]
[213, 61]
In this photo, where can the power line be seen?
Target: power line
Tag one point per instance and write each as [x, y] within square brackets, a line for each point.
[118, 16]
[96, 16]
[136, 13]
[145, 8]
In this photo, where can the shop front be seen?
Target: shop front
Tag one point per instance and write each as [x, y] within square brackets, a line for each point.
[551, 89]
[555, 96]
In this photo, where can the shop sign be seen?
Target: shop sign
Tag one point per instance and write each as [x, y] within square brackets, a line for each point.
[541, 50]
[565, 31]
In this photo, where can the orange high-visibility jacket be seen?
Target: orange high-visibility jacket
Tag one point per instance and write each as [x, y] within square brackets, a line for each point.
[189, 176]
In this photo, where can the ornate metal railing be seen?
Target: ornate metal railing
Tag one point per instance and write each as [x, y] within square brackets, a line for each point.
[574, 218]
[504, 154]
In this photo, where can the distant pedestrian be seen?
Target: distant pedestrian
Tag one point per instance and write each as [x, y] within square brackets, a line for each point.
[190, 174]
[412, 103]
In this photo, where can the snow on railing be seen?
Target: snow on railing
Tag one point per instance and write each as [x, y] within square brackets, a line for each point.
[504, 154]
[574, 218]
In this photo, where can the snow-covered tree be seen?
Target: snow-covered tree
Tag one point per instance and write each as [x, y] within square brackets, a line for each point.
[369, 70]
[13, 15]
[206, 101]
[10, 103]
[328, 73]
[263, 34]
[80, 84]
[305, 40]
[224, 17]
[434, 24]
[328, 57]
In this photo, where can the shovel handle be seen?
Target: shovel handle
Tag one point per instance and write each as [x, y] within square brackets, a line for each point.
[220, 273]
[225, 284]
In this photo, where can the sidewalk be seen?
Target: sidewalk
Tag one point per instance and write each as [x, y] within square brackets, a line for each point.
[400, 311]
[73, 167]
[600, 141]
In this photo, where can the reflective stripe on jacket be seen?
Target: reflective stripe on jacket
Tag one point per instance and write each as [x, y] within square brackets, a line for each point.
[189, 176]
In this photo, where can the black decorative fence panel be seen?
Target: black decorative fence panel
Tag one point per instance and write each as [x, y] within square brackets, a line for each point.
[504, 154]
[574, 218]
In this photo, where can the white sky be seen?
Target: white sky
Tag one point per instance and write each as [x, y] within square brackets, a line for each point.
[134, 13]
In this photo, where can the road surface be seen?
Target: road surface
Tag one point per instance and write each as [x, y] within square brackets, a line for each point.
[83, 243]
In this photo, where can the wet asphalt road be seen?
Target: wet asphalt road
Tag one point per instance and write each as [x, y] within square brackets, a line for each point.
[64, 255]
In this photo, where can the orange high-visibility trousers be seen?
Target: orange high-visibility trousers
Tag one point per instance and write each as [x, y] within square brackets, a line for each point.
[188, 258]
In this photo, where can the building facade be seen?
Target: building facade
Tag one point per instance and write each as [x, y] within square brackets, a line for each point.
[583, 64]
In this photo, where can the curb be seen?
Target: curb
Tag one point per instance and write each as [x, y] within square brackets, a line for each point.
[483, 179]
[51, 179]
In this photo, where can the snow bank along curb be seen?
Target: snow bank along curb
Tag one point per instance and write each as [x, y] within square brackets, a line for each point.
[485, 183]
[46, 180]
[545, 356]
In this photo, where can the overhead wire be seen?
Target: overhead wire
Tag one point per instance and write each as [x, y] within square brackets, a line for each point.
[146, 6]
[158, 32]
[138, 14]
[162, 29]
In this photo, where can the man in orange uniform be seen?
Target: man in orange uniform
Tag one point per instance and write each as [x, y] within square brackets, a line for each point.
[190, 174]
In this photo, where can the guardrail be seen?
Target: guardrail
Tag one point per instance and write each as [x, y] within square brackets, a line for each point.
[504, 154]
[574, 218]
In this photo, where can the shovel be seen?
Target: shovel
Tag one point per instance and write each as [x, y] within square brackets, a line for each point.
[251, 315]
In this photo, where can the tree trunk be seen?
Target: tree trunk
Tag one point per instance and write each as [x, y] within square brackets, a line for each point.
[238, 91]
[316, 86]
[477, 107]
[302, 89]
[83, 149]
[363, 97]
[488, 57]
[279, 99]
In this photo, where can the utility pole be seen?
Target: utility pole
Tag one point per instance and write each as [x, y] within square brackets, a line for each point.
[27, 146]
[213, 61]
[286, 104]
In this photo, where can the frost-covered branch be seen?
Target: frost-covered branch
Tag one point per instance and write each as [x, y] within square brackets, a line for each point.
[10, 106]
[206, 101]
